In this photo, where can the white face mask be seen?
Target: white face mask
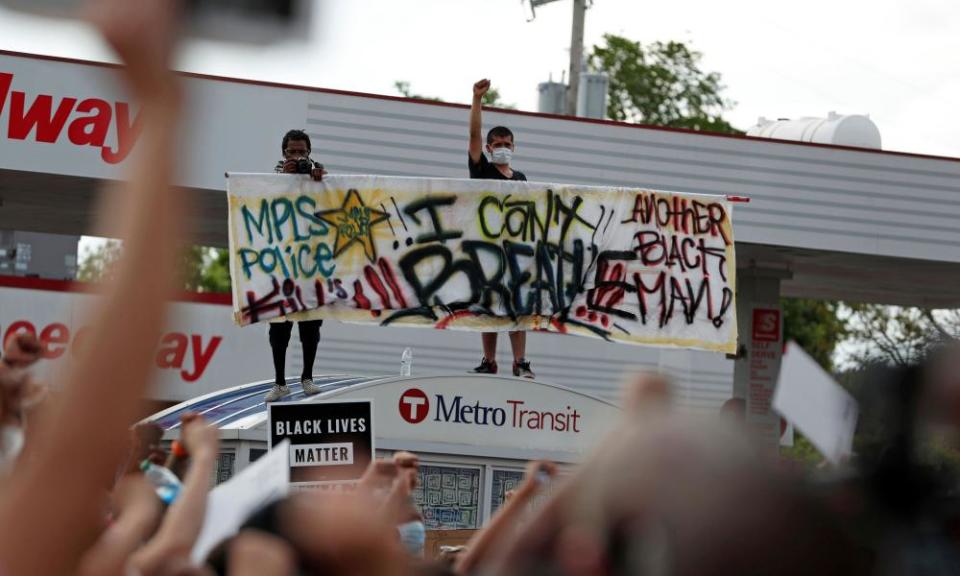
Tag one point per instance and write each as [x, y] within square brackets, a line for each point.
[413, 536]
[11, 444]
[501, 155]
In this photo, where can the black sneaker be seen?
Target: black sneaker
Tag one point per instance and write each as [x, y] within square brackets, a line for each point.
[521, 369]
[485, 367]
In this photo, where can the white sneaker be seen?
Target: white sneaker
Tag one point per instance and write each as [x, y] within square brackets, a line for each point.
[309, 388]
[276, 393]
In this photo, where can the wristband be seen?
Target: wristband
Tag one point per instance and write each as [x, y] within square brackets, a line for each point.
[178, 450]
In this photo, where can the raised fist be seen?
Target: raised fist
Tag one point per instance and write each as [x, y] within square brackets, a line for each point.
[480, 88]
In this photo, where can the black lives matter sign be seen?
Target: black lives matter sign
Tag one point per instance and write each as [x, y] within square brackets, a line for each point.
[330, 441]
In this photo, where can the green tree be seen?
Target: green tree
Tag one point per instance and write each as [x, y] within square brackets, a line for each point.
[491, 98]
[204, 269]
[663, 84]
[191, 266]
[403, 88]
[96, 263]
[803, 452]
[215, 271]
[816, 326]
[660, 84]
[896, 335]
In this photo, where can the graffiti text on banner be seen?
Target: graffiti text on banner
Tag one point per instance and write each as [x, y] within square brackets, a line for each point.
[629, 265]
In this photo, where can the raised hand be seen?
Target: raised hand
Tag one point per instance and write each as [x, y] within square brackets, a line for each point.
[538, 470]
[21, 351]
[254, 553]
[144, 35]
[198, 437]
[480, 89]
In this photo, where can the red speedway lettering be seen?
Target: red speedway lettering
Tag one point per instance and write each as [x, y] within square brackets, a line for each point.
[89, 120]
[171, 354]
[173, 351]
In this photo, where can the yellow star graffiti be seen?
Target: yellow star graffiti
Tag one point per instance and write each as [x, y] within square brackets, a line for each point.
[354, 223]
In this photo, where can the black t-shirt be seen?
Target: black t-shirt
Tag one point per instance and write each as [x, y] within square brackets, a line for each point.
[485, 170]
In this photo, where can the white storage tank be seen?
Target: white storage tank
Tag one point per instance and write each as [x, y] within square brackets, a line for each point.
[553, 97]
[592, 95]
[854, 130]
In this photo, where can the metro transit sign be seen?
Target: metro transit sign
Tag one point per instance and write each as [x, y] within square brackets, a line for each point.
[512, 417]
[415, 407]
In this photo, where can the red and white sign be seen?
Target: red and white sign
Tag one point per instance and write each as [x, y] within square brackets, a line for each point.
[492, 412]
[766, 325]
[764, 356]
[51, 118]
[76, 120]
[414, 405]
[200, 351]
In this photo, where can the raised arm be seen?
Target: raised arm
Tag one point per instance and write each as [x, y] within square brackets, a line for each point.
[182, 524]
[255, 553]
[500, 527]
[56, 495]
[138, 510]
[476, 123]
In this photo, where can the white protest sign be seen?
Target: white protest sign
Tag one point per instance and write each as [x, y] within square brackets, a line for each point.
[630, 265]
[230, 503]
[819, 407]
[329, 441]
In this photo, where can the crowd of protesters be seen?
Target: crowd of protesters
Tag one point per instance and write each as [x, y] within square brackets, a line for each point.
[637, 506]
[661, 495]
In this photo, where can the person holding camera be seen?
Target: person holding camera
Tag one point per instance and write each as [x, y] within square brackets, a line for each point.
[296, 160]
[296, 156]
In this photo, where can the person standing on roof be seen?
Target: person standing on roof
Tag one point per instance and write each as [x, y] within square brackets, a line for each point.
[296, 160]
[500, 146]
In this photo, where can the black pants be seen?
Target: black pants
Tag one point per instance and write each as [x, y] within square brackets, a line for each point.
[280, 337]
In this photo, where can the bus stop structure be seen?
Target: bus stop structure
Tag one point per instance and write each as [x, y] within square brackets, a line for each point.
[468, 463]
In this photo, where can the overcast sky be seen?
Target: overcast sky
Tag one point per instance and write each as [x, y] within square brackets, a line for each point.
[892, 59]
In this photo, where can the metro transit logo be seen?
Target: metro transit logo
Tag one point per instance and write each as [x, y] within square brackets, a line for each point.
[414, 406]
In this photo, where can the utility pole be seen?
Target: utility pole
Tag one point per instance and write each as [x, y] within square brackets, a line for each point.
[576, 47]
[576, 54]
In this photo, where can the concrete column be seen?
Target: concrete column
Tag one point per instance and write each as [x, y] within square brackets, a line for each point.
[760, 324]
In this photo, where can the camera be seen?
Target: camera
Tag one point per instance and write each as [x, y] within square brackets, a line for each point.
[304, 166]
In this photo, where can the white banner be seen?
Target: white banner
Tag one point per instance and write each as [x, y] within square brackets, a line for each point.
[628, 265]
